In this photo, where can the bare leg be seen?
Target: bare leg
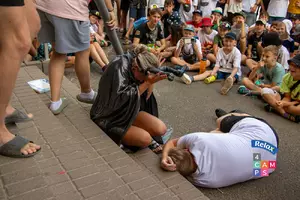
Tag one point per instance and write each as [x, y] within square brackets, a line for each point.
[15, 44]
[82, 68]
[101, 53]
[251, 63]
[244, 58]
[294, 110]
[118, 2]
[178, 61]
[136, 136]
[211, 57]
[94, 54]
[272, 99]
[130, 28]
[250, 85]
[201, 77]
[56, 73]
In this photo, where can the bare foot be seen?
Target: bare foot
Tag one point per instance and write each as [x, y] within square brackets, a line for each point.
[6, 136]
[10, 110]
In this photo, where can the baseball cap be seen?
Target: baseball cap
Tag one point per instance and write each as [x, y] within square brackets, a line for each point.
[261, 21]
[96, 13]
[271, 39]
[295, 59]
[225, 25]
[174, 19]
[288, 25]
[240, 14]
[218, 10]
[297, 30]
[230, 35]
[189, 28]
[198, 12]
[295, 16]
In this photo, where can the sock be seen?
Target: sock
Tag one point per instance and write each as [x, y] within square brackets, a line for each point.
[89, 95]
[289, 116]
[55, 104]
[192, 78]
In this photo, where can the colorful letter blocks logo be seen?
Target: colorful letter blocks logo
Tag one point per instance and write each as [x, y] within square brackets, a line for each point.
[261, 167]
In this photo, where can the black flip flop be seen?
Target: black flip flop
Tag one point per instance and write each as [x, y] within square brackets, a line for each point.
[17, 117]
[13, 148]
[154, 145]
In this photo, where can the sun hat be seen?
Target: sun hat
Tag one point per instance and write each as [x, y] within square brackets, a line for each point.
[206, 21]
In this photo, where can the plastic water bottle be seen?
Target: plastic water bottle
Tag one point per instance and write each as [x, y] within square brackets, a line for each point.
[202, 68]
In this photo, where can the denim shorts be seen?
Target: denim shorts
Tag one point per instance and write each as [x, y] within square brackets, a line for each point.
[137, 13]
[224, 75]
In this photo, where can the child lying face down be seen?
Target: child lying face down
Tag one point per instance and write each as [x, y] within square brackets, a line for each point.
[223, 157]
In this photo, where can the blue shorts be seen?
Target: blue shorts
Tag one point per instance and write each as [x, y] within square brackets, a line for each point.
[137, 13]
[224, 75]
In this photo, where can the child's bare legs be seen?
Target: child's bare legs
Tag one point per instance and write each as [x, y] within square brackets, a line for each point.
[168, 52]
[250, 85]
[196, 65]
[101, 53]
[203, 76]
[178, 61]
[94, 54]
[130, 28]
[251, 63]
[211, 57]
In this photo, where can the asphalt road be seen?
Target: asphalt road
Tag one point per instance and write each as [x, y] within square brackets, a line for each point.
[190, 108]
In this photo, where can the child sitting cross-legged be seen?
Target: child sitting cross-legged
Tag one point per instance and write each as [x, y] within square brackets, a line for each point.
[227, 65]
[270, 70]
[287, 104]
[188, 51]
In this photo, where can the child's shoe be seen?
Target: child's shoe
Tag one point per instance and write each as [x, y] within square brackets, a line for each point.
[210, 79]
[268, 108]
[243, 90]
[181, 68]
[227, 85]
[186, 79]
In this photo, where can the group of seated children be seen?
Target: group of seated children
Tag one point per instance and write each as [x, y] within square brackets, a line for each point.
[218, 50]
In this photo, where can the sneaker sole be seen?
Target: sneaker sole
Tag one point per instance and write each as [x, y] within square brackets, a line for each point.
[186, 79]
[227, 86]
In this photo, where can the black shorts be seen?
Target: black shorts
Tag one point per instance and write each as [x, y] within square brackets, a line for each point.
[9, 3]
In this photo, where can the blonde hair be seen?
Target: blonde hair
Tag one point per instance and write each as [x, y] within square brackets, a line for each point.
[143, 57]
[183, 160]
[286, 35]
[272, 48]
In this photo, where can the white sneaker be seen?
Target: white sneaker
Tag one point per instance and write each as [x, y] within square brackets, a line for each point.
[227, 85]
[186, 79]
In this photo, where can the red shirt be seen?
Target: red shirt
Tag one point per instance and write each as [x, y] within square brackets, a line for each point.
[196, 25]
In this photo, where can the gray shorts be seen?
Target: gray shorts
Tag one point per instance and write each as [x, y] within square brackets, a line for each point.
[70, 36]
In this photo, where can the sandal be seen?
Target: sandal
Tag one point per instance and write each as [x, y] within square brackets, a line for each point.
[13, 148]
[155, 147]
[16, 117]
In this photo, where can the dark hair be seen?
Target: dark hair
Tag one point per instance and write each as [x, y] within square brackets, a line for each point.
[177, 34]
[169, 2]
[155, 10]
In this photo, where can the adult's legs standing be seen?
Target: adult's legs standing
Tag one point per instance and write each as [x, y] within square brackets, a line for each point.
[14, 45]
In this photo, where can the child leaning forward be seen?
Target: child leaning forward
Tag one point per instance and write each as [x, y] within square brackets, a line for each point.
[227, 66]
[287, 104]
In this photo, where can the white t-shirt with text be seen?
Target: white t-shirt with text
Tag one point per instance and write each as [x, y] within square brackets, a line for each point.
[227, 159]
[227, 62]
[205, 39]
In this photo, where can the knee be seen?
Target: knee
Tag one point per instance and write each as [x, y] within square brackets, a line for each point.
[173, 59]
[245, 80]
[266, 92]
[145, 140]
[161, 129]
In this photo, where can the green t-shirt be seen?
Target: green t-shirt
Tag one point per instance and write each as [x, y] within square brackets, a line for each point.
[273, 75]
[218, 40]
[287, 82]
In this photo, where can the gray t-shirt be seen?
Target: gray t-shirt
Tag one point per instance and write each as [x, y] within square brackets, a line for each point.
[227, 159]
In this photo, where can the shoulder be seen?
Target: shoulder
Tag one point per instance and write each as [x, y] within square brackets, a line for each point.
[236, 51]
[287, 78]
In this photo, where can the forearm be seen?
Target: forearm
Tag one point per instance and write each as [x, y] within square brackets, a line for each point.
[234, 71]
[169, 145]
[143, 87]
[163, 45]
[253, 74]
[215, 70]
[243, 45]
[177, 52]
[109, 5]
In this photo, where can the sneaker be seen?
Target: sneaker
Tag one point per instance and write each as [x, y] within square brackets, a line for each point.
[64, 103]
[227, 85]
[186, 79]
[243, 90]
[268, 108]
[181, 68]
[220, 112]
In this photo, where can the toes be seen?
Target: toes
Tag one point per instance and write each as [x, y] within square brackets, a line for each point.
[30, 148]
[30, 115]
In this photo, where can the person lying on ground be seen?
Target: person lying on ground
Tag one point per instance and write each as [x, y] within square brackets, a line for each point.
[222, 157]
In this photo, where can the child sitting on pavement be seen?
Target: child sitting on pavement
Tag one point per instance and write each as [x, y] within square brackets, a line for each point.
[227, 66]
[188, 51]
[224, 27]
[196, 20]
[271, 71]
[288, 104]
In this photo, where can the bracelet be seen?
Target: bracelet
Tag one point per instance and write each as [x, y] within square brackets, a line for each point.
[148, 49]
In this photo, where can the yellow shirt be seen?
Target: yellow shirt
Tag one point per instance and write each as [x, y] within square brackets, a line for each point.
[293, 8]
